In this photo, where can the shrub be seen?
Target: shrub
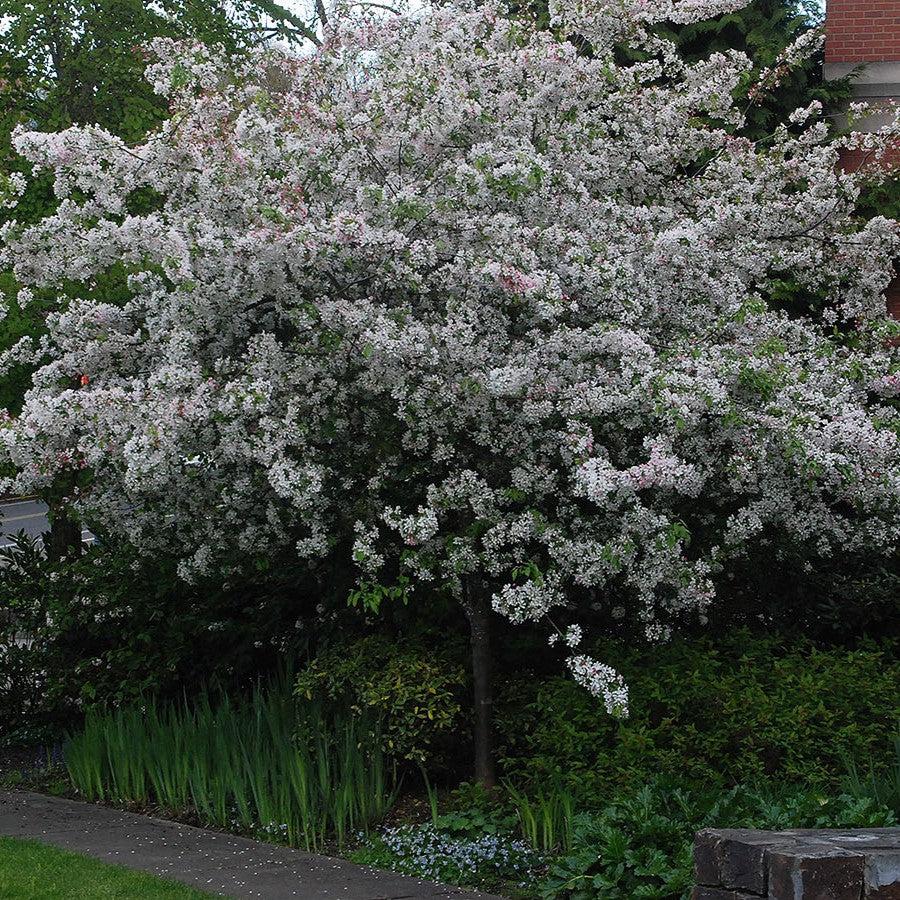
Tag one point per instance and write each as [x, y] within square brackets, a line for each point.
[711, 712]
[414, 690]
[845, 598]
[111, 628]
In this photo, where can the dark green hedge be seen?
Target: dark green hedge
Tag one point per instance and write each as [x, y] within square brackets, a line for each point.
[721, 712]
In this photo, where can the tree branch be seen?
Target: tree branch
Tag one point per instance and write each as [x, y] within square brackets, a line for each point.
[277, 12]
[320, 11]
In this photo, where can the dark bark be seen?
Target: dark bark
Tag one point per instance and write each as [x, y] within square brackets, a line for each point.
[476, 603]
[65, 536]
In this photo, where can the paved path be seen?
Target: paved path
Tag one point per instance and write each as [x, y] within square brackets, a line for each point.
[214, 862]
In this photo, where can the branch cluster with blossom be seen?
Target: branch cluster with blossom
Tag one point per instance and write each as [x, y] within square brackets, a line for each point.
[489, 303]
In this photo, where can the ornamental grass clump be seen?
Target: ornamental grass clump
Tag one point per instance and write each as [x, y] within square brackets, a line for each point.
[546, 818]
[300, 775]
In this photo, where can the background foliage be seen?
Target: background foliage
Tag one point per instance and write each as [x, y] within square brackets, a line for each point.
[111, 629]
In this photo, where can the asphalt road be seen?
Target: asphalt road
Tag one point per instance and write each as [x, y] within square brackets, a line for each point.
[29, 516]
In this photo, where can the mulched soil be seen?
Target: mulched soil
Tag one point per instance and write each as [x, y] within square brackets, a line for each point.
[22, 760]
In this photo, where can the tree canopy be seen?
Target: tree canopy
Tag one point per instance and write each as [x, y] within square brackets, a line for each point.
[501, 314]
[68, 62]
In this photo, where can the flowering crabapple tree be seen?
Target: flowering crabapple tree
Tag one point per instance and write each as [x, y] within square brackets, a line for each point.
[476, 300]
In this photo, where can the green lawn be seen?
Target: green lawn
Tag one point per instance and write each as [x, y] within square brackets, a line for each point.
[33, 871]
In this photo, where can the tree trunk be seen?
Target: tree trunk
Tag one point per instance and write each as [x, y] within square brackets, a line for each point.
[478, 612]
[65, 536]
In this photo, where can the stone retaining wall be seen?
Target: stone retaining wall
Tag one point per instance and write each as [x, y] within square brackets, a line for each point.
[806, 864]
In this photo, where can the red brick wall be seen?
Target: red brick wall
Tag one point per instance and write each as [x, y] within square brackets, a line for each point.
[862, 31]
[853, 160]
[893, 299]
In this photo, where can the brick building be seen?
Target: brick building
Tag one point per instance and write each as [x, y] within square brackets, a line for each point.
[866, 34]
[863, 37]
[865, 31]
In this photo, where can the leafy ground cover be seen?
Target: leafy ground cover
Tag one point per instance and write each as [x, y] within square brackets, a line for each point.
[637, 844]
[30, 870]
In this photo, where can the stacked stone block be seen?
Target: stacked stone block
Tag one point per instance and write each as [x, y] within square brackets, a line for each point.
[805, 864]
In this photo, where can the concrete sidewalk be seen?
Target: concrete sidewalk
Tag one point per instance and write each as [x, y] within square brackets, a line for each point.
[219, 863]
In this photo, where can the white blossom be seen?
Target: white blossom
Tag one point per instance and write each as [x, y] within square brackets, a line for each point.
[602, 681]
[478, 304]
